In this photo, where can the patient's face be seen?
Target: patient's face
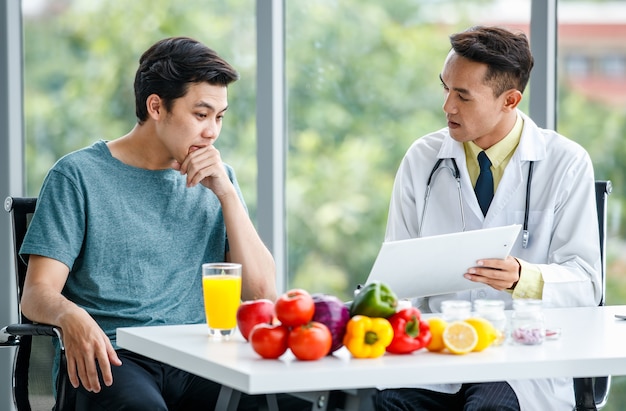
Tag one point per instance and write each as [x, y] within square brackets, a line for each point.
[195, 120]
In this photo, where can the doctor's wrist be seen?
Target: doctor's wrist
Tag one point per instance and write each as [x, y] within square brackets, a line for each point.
[530, 282]
[519, 275]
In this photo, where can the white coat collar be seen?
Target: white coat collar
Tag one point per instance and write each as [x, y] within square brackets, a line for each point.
[532, 145]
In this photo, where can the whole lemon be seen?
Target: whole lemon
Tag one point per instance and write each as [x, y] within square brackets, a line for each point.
[487, 333]
[437, 326]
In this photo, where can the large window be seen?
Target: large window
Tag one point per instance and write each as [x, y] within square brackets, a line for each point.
[80, 61]
[592, 97]
[363, 84]
[80, 58]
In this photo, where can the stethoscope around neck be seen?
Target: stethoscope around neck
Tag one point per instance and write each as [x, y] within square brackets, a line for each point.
[456, 174]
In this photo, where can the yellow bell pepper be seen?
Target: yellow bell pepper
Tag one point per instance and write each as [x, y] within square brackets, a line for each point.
[367, 337]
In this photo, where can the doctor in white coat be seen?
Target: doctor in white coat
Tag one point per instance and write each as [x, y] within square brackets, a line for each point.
[483, 78]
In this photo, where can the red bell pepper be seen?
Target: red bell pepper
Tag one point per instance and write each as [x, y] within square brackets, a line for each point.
[410, 333]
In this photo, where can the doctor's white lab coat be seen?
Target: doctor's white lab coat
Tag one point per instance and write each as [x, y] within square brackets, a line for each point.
[562, 223]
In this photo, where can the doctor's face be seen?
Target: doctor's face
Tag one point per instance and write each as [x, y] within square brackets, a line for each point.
[472, 110]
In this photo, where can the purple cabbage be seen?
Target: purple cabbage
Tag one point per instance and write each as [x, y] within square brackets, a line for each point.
[332, 312]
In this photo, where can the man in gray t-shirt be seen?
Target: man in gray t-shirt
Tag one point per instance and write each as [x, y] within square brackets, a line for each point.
[122, 227]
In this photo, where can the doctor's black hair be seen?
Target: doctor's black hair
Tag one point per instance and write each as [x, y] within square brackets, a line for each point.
[507, 55]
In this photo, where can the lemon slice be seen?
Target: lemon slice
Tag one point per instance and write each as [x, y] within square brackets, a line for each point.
[460, 337]
[437, 326]
[487, 333]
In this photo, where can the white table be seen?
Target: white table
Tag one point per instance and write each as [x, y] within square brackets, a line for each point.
[591, 344]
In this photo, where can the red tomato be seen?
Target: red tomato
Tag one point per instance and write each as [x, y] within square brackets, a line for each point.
[269, 341]
[295, 307]
[310, 341]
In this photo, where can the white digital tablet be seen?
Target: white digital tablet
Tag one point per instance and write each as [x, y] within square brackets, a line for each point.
[435, 265]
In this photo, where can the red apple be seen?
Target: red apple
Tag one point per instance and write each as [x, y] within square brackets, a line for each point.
[253, 312]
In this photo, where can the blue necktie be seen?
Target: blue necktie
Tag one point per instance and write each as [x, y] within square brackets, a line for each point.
[484, 184]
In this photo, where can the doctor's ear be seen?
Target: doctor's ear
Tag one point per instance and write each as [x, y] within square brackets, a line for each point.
[512, 99]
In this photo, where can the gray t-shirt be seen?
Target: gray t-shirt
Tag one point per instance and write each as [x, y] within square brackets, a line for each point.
[134, 239]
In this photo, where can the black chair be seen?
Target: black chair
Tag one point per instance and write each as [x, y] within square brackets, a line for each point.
[21, 335]
[592, 393]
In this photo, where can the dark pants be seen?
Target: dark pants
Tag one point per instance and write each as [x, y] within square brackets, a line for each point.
[493, 396]
[144, 384]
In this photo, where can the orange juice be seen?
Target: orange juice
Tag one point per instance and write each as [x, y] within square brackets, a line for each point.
[222, 295]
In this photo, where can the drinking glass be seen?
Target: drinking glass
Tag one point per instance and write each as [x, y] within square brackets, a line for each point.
[221, 286]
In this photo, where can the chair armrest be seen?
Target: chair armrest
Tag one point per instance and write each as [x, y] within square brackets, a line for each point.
[10, 334]
[33, 329]
[7, 339]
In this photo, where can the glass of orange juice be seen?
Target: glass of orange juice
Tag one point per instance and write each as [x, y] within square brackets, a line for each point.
[221, 286]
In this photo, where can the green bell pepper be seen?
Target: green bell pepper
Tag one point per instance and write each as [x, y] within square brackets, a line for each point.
[374, 300]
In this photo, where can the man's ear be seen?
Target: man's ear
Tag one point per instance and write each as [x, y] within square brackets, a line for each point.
[154, 106]
[512, 99]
